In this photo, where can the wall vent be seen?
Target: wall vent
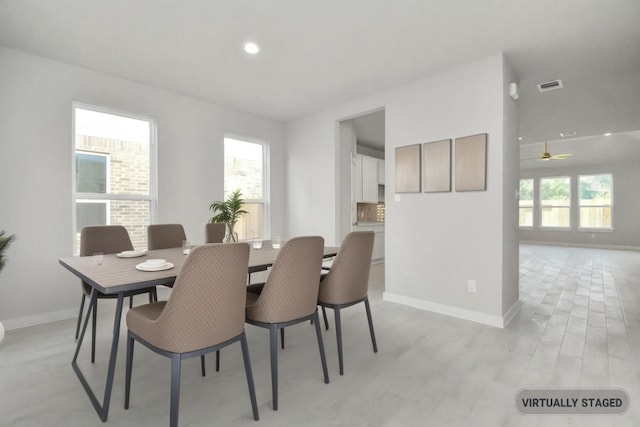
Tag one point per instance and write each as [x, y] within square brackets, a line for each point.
[552, 85]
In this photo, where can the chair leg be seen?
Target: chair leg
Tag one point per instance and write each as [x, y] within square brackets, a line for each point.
[175, 390]
[247, 370]
[336, 312]
[152, 298]
[324, 315]
[273, 348]
[282, 338]
[373, 334]
[217, 360]
[127, 386]
[94, 320]
[316, 321]
[202, 368]
[80, 315]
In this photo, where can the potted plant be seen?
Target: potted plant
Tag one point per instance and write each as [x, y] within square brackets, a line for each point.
[4, 244]
[229, 212]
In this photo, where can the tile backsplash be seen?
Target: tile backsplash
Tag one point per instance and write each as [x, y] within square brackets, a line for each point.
[370, 212]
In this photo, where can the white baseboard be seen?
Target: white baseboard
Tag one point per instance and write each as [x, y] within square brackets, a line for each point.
[41, 318]
[460, 313]
[511, 313]
[581, 245]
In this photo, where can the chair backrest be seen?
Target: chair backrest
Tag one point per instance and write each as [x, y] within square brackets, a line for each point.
[291, 290]
[108, 239]
[214, 232]
[162, 236]
[206, 305]
[348, 279]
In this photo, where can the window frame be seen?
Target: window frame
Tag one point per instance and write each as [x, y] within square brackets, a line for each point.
[266, 183]
[580, 206]
[151, 198]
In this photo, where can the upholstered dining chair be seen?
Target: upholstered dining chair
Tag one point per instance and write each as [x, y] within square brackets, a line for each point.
[163, 236]
[214, 232]
[107, 239]
[288, 297]
[204, 313]
[347, 283]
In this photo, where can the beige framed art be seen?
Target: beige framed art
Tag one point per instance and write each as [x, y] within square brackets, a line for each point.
[471, 163]
[436, 166]
[408, 169]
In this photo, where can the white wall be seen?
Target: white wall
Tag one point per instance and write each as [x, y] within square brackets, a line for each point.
[626, 204]
[36, 98]
[434, 242]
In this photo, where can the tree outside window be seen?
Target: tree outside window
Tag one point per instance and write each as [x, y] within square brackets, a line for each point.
[596, 201]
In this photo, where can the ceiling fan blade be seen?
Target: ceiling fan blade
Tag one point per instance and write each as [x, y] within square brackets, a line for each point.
[561, 156]
[530, 158]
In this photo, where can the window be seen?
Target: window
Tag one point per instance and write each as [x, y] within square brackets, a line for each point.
[595, 201]
[113, 179]
[526, 203]
[245, 169]
[555, 202]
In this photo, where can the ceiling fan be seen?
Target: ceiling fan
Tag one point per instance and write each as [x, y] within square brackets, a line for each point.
[547, 156]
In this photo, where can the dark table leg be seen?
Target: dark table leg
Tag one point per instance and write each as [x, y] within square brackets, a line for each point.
[101, 409]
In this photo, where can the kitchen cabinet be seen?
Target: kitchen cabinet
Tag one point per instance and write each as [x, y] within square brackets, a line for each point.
[366, 179]
[369, 179]
[378, 246]
[380, 172]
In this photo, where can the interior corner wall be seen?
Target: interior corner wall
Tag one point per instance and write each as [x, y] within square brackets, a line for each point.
[36, 154]
[434, 242]
[511, 186]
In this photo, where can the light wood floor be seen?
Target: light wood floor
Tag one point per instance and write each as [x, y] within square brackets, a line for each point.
[579, 327]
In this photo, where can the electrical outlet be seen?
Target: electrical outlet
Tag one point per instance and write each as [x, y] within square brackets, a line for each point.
[471, 285]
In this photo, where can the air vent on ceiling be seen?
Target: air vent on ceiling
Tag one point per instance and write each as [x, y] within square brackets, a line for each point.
[568, 134]
[547, 86]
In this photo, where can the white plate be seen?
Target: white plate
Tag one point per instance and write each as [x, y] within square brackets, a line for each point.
[130, 254]
[144, 267]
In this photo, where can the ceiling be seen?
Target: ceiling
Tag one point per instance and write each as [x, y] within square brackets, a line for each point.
[317, 54]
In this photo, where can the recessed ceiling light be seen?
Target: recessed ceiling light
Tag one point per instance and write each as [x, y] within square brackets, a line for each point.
[607, 134]
[520, 138]
[251, 48]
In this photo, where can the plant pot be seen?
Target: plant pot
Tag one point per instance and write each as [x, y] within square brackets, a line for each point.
[230, 236]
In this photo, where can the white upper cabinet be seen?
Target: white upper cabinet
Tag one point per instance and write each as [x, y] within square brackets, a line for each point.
[380, 172]
[369, 179]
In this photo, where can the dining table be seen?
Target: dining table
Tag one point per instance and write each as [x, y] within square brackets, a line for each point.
[117, 274]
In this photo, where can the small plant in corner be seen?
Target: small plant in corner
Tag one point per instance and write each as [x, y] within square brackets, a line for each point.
[229, 212]
[4, 244]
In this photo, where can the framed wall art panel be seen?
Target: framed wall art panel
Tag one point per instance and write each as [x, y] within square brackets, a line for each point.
[436, 166]
[408, 169]
[471, 163]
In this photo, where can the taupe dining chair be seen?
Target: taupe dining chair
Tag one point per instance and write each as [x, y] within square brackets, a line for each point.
[347, 283]
[289, 296]
[214, 232]
[205, 312]
[107, 239]
[163, 236]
